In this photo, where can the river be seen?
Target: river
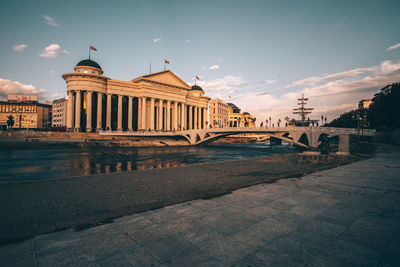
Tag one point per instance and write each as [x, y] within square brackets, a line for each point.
[38, 164]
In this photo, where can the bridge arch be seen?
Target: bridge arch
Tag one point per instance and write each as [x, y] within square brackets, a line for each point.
[304, 139]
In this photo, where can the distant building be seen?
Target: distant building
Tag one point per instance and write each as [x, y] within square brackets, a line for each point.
[237, 119]
[26, 111]
[364, 104]
[59, 112]
[218, 112]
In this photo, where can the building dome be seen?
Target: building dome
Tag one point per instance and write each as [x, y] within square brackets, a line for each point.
[232, 105]
[88, 63]
[196, 88]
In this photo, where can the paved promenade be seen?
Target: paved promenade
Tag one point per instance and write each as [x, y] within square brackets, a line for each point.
[347, 216]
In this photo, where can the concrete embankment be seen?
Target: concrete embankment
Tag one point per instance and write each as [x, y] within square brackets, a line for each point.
[33, 207]
[32, 139]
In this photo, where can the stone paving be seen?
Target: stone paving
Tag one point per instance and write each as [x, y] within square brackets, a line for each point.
[347, 216]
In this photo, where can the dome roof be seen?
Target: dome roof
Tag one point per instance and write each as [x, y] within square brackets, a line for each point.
[88, 63]
[246, 113]
[196, 88]
[232, 105]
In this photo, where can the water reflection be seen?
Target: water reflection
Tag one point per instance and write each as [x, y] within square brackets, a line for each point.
[63, 162]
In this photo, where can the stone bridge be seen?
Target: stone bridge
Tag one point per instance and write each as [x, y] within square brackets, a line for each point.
[300, 136]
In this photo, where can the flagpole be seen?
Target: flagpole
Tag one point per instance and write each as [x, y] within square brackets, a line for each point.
[164, 64]
[195, 80]
[150, 66]
[89, 52]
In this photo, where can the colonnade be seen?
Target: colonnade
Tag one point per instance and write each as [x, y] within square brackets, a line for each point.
[138, 113]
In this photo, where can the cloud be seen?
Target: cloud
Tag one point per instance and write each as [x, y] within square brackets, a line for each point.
[50, 21]
[53, 71]
[53, 51]
[213, 67]
[268, 81]
[156, 40]
[332, 77]
[329, 95]
[19, 48]
[8, 87]
[188, 41]
[393, 47]
[55, 95]
[227, 83]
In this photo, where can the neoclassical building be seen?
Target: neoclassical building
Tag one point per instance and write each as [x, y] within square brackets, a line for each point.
[218, 113]
[155, 102]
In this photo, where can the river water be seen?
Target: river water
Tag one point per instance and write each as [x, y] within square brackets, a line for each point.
[37, 164]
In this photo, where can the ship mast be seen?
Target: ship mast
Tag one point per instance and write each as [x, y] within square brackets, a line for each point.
[302, 110]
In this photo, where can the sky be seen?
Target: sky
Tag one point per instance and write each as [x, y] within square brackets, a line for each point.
[259, 55]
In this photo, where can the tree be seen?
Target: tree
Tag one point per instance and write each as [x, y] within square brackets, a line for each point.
[10, 121]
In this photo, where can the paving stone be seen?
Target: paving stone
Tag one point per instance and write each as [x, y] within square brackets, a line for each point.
[313, 242]
[321, 227]
[267, 230]
[225, 249]
[168, 249]
[138, 256]
[356, 254]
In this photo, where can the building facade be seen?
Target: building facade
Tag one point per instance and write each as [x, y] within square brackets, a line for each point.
[59, 113]
[218, 111]
[155, 102]
[26, 111]
[237, 119]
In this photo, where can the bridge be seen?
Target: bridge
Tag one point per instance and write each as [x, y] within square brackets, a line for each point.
[300, 136]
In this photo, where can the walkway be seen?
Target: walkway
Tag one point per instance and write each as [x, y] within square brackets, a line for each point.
[347, 216]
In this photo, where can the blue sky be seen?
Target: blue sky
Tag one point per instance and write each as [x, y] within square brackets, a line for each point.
[260, 55]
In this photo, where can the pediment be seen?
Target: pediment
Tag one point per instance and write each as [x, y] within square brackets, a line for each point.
[165, 77]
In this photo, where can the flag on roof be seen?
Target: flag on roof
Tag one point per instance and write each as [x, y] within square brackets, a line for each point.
[166, 61]
[92, 48]
[197, 77]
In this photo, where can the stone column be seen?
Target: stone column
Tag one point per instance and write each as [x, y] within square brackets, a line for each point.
[144, 125]
[119, 120]
[175, 115]
[78, 111]
[190, 117]
[89, 112]
[195, 118]
[204, 118]
[184, 116]
[168, 115]
[108, 119]
[70, 111]
[152, 114]
[199, 118]
[139, 120]
[130, 102]
[99, 111]
[160, 114]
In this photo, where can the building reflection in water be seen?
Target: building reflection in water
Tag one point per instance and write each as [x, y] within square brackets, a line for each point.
[93, 162]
